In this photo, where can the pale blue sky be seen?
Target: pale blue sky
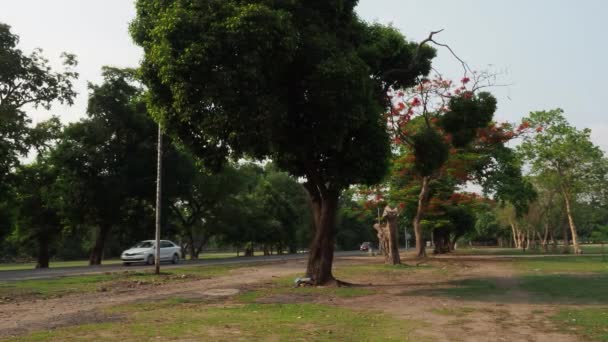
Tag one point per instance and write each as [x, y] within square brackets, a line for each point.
[554, 51]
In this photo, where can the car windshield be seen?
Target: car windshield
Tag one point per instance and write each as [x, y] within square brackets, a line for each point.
[144, 244]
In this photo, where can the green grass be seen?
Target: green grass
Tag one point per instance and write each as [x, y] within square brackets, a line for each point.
[468, 289]
[567, 289]
[46, 288]
[547, 265]
[552, 280]
[592, 324]
[587, 249]
[250, 322]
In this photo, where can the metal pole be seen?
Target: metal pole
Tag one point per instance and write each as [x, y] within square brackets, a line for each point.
[159, 168]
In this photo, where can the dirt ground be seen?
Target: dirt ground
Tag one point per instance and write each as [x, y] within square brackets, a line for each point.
[401, 296]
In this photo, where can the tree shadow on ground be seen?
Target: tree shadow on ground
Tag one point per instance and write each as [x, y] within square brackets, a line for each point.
[540, 289]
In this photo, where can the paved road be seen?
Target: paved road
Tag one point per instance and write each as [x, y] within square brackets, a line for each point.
[81, 270]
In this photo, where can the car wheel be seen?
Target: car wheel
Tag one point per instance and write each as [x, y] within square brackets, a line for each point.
[150, 260]
[175, 259]
[126, 263]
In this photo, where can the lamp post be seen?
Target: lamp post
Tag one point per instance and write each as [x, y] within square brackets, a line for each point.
[159, 168]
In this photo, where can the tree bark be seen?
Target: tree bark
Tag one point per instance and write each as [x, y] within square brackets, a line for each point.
[441, 238]
[515, 235]
[545, 238]
[97, 251]
[566, 248]
[43, 252]
[553, 242]
[422, 202]
[382, 234]
[324, 205]
[577, 249]
[391, 216]
[191, 245]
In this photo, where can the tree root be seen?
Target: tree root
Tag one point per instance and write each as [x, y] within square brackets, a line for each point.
[330, 283]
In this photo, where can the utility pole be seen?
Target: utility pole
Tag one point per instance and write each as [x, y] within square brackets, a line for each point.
[159, 169]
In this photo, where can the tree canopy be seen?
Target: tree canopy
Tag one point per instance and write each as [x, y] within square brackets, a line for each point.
[301, 82]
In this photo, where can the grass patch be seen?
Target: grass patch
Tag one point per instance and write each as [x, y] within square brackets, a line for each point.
[589, 323]
[562, 264]
[280, 322]
[453, 311]
[57, 287]
[564, 288]
[587, 249]
[468, 289]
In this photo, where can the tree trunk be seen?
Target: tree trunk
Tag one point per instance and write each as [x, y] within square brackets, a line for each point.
[545, 238]
[515, 235]
[382, 234]
[577, 249]
[566, 248]
[43, 252]
[293, 249]
[249, 250]
[553, 242]
[441, 239]
[97, 251]
[321, 255]
[422, 202]
[193, 252]
[393, 232]
[453, 243]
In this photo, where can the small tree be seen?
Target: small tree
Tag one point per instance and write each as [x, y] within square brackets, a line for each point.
[564, 155]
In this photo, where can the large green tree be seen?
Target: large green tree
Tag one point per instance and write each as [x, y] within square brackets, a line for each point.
[107, 159]
[25, 80]
[302, 82]
[565, 156]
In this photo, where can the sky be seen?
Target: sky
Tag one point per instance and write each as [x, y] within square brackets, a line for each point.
[549, 53]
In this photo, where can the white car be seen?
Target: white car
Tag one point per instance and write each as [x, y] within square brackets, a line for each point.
[145, 251]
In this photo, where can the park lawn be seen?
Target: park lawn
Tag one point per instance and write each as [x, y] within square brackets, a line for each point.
[565, 280]
[587, 249]
[574, 264]
[185, 320]
[546, 280]
[57, 287]
[591, 323]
